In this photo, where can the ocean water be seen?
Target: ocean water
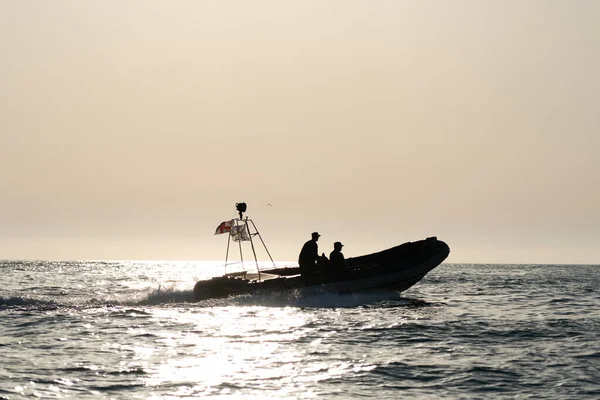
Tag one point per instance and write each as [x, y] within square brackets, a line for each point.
[129, 330]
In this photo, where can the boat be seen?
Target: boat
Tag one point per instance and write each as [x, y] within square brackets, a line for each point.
[397, 268]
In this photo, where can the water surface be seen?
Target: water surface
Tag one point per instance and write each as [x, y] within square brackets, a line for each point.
[128, 330]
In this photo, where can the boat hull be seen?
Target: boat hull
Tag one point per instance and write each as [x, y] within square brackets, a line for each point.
[397, 269]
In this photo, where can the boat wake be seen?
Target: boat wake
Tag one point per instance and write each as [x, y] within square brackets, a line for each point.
[164, 296]
[298, 299]
[170, 297]
[26, 303]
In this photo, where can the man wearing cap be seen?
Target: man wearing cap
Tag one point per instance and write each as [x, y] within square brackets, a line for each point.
[336, 258]
[309, 255]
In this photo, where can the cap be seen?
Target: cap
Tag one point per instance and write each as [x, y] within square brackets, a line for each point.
[338, 244]
[315, 234]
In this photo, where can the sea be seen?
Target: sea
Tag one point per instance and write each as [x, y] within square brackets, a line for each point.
[130, 330]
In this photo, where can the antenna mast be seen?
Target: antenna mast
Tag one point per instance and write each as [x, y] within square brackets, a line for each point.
[243, 227]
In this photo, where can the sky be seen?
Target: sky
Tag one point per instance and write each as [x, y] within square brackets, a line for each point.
[129, 130]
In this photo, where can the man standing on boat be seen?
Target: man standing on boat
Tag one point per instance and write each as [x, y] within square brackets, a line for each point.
[309, 255]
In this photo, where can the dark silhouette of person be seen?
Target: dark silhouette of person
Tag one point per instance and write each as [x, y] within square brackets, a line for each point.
[309, 256]
[336, 258]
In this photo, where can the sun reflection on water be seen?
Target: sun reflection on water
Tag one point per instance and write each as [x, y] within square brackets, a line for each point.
[235, 348]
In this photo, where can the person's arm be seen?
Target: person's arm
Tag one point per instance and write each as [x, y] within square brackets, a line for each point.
[343, 262]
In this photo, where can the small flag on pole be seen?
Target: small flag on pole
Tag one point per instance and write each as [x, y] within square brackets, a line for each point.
[224, 227]
[239, 233]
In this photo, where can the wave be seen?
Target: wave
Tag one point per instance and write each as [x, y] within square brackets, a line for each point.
[164, 296]
[26, 303]
[311, 299]
[169, 296]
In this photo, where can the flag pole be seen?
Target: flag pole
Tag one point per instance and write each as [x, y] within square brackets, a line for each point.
[263, 243]
[252, 245]
[240, 244]
[244, 224]
[227, 253]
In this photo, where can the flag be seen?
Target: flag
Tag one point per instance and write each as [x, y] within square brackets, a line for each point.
[224, 227]
[239, 233]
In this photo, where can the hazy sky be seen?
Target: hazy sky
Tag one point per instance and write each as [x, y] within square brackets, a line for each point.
[129, 130]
